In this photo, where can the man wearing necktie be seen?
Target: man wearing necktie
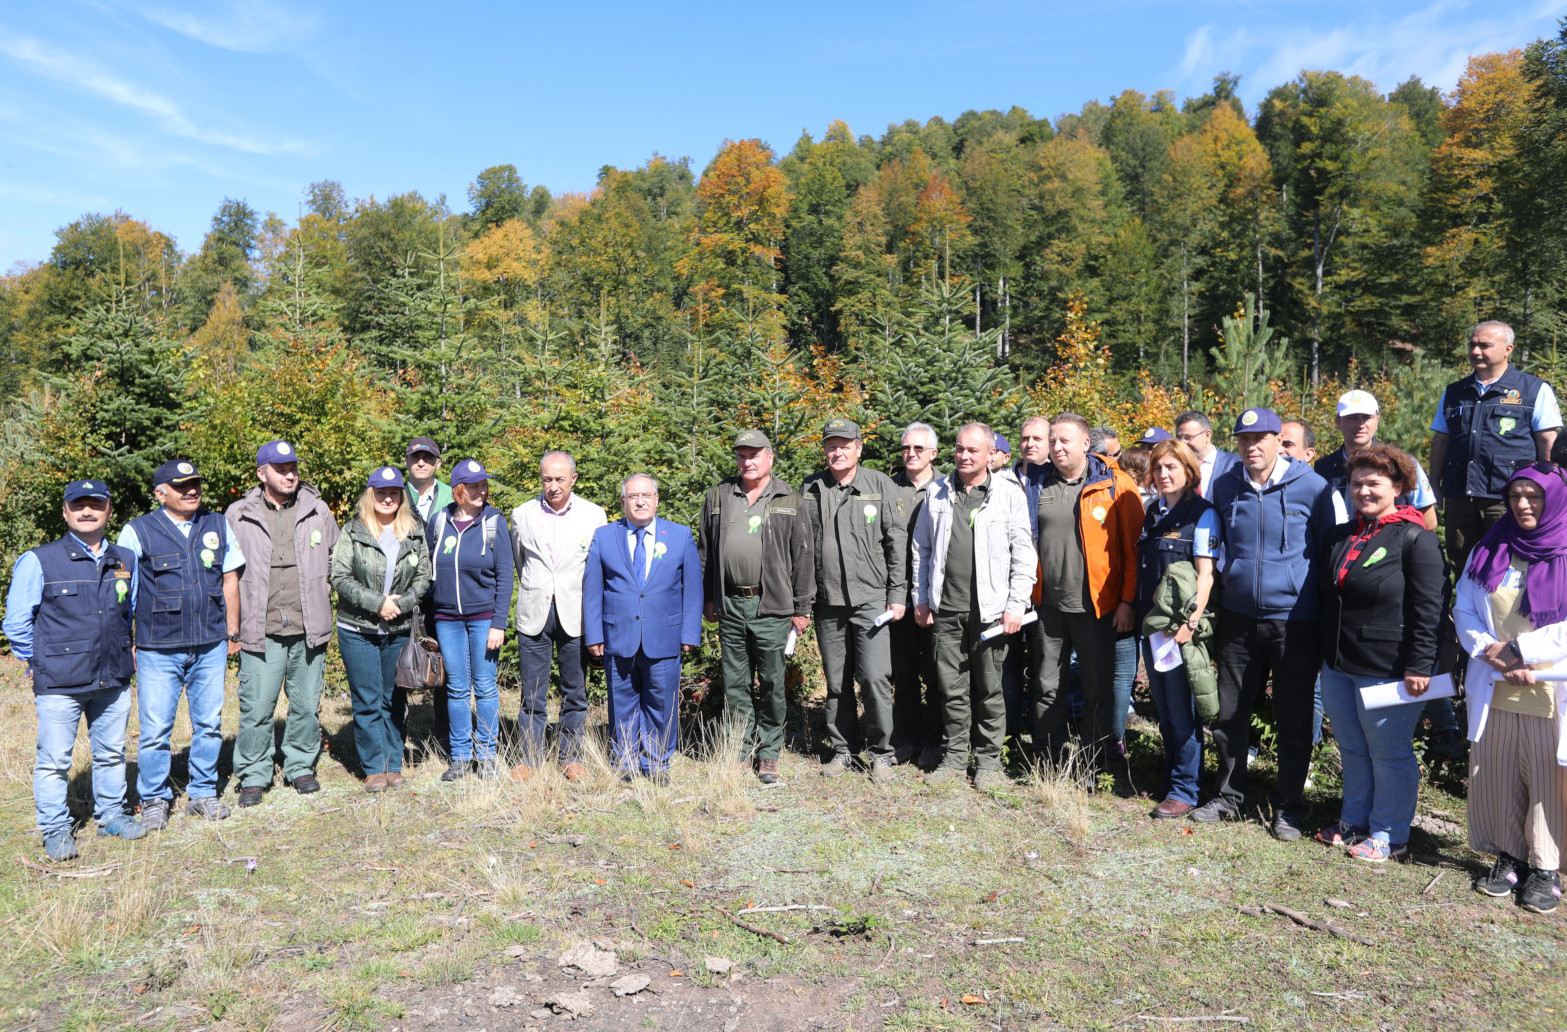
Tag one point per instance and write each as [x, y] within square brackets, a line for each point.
[641, 608]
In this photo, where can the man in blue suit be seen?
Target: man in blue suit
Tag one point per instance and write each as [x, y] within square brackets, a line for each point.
[1195, 430]
[641, 608]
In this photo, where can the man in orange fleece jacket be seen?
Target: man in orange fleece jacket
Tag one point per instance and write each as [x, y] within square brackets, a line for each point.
[1089, 516]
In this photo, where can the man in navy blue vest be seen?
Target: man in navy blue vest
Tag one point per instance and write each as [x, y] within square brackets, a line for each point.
[68, 615]
[1273, 513]
[187, 625]
[641, 610]
[1487, 424]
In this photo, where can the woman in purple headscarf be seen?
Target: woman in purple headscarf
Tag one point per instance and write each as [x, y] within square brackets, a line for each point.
[1511, 615]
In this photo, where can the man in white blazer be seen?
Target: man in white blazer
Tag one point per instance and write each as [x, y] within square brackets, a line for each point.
[550, 536]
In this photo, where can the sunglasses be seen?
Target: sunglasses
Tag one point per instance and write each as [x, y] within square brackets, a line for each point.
[1519, 465]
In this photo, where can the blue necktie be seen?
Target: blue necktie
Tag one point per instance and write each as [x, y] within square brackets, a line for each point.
[639, 557]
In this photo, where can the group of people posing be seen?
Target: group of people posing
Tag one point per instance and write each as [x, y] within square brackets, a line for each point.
[950, 609]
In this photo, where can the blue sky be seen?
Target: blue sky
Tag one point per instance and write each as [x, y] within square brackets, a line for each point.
[162, 108]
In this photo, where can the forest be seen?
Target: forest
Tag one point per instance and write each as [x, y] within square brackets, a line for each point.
[1129, 260]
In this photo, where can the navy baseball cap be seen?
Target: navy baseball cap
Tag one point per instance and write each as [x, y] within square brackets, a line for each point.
[275, 453]
[86, 489]
[1153, 435]
[386, 476]
[1259, 421]
[423, 444]
[176, 471]
[1002, 445]
[469, 471]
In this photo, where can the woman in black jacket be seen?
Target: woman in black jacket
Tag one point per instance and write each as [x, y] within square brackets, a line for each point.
[1381, 589]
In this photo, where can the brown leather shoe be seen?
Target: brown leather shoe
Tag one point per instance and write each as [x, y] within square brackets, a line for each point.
[395, 779]
[375, 783]
[767, 771]
[521, 772]
[1171, 808]
[574, 772]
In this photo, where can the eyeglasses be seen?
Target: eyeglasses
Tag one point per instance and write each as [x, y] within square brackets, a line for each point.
[914, 448]
[1189, 438]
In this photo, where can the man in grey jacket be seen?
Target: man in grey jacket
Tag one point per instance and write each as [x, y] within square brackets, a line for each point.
[859, 537]
[285, 618]
[974, 567]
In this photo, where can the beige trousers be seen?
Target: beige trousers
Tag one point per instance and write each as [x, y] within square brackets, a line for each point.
[1517, 791]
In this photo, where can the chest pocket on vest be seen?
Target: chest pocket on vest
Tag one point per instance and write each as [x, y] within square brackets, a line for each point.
[1508, 420]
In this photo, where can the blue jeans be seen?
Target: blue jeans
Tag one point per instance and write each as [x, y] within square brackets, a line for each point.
[1121, 684]
[107, 712]
[1376, 747]
[161, 674]
[1179, 728]
[370, 661]
[470, 671]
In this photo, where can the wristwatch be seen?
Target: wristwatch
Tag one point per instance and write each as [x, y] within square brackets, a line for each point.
[1511, 648]
[234, 638]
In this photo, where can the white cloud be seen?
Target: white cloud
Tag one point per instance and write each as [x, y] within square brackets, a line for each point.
[1433, 42]
[83, 74]
[254, 27]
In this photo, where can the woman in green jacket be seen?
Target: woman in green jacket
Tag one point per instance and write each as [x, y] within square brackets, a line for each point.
[380, 569]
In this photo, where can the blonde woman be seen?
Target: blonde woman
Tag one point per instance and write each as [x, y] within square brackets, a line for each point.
[380, 568]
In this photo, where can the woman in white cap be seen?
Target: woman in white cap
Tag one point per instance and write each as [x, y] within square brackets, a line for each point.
[470, 552]
[380, 569]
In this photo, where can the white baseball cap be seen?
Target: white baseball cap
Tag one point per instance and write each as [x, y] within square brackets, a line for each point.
[1357, 403]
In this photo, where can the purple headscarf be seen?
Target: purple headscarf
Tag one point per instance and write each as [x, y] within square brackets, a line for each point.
[1544, 548]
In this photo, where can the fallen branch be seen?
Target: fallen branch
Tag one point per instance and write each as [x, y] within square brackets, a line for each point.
[779, 910]
[1432, 883]
[1307, 922]
[892, 944]
[1233, 1018]
[798, 870]
[754, 929]
[992, 942]
[1340, 996]
[84, 872]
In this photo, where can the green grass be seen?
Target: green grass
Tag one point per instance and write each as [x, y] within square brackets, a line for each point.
[360, 903]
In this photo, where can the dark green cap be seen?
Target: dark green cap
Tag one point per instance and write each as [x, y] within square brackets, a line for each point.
[752, 439]
[847, 429]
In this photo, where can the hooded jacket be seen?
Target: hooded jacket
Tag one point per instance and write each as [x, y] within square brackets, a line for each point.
[1272, 537]
[471, 568]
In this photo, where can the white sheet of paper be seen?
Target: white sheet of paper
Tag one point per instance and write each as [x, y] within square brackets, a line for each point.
[1166, 653]
[1393, 693]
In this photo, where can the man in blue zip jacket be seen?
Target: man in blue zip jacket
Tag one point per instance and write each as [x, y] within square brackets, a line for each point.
[68, 615]
[1273, 514]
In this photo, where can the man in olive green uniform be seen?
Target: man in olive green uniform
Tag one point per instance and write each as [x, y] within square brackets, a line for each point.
[859, 539]
[916, 701]
[759, 580]
[974, 566]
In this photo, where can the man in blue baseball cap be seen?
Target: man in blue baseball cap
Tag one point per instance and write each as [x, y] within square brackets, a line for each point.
[187, 625]
[285, 619]
[68, 616]
[1275, 513]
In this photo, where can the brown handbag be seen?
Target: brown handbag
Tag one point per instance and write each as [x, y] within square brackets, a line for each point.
[419, 664]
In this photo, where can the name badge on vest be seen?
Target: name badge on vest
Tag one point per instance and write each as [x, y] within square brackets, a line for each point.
[1512, 397]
